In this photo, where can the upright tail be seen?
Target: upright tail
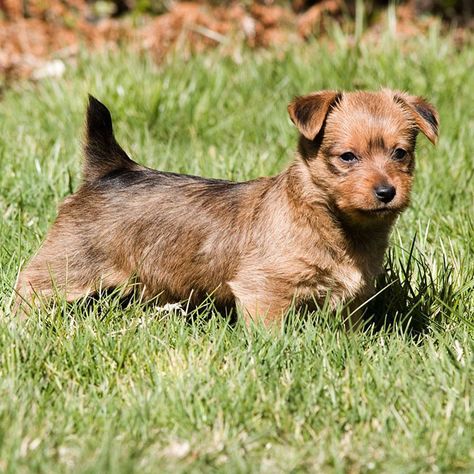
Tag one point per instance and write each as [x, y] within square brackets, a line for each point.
[102, 153]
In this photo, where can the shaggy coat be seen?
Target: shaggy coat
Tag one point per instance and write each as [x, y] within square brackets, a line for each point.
[315, 232]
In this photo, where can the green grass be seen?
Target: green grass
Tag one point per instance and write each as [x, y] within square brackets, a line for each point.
[102, 388]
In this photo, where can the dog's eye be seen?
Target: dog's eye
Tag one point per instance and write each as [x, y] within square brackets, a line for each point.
[348, 157]
[399, 154]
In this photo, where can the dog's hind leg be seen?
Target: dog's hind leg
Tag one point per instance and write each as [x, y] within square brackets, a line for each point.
[67, 267]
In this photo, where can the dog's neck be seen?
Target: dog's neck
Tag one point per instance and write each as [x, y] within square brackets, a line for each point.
[311, 203]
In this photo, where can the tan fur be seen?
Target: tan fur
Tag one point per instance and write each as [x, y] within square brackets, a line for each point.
[313, 232]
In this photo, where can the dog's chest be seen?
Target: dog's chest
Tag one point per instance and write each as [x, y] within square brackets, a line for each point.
[337, 278]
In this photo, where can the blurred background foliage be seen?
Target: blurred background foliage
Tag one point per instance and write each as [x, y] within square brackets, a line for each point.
[38, 36]
[457, 10]
[448, 9]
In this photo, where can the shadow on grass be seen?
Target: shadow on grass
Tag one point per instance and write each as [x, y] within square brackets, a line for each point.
[411, 295]
[106, 303]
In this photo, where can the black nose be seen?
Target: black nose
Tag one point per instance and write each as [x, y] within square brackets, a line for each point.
[385, 193]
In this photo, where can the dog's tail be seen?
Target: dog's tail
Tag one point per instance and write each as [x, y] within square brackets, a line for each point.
[102, 153]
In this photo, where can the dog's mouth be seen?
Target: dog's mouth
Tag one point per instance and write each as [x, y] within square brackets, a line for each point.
[379, 211]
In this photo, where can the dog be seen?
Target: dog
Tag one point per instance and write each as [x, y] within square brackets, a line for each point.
[317, 232]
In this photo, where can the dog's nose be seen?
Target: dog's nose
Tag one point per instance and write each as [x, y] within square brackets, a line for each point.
[385, 193]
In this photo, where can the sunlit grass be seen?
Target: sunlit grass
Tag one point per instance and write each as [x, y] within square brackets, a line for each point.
[103, 387]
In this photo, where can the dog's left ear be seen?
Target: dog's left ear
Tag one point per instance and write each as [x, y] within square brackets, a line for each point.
[425, 115]
[309, 112]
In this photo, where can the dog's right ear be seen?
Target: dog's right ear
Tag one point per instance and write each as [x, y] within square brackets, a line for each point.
[309, 112]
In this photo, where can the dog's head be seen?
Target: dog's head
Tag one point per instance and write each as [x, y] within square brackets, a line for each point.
[359, 147]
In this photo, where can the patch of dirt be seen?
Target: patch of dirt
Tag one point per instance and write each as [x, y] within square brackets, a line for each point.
[31, 33]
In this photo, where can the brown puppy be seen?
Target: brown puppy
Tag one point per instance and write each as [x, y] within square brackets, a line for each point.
[316, 231]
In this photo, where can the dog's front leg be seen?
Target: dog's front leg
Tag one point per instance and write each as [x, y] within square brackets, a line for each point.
[266, 303]
[354, 315]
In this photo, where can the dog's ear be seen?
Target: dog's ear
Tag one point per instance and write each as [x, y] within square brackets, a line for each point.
[425, 115]
[309, 112]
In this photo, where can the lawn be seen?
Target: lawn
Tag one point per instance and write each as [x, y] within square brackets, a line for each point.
[103, 387]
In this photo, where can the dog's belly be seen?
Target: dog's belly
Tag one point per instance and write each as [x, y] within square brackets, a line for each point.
[172, 288]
